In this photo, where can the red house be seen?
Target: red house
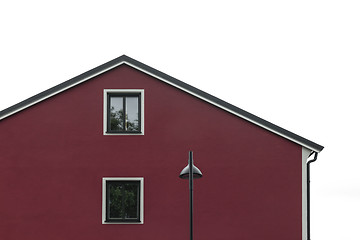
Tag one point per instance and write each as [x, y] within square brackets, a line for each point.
[99, 157]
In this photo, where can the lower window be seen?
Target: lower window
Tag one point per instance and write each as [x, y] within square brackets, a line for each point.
[122, 200]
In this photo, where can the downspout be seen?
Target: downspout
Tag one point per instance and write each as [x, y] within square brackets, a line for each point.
[308, 192]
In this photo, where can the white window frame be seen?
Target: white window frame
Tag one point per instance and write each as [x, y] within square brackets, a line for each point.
[142, 107]
[141, 211]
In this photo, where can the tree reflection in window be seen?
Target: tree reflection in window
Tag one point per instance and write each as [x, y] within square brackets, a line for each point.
[124, 113]
[123, 200]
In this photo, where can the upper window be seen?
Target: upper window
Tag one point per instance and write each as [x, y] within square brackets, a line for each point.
[122, 200]
[123, 111]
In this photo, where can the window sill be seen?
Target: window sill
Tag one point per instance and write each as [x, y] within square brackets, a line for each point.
[111, 222]
[124, 133]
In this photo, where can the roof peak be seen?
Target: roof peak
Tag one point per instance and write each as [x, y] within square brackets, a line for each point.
[124, 59]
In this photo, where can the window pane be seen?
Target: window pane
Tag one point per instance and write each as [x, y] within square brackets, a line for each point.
[115, 201]
[131, 201]
[117, 117]
[132, 114]
[123, 200]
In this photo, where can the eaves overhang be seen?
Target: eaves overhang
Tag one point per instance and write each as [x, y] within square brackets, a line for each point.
[169, 80]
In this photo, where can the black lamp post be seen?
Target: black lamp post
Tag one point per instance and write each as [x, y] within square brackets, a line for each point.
[190, 172]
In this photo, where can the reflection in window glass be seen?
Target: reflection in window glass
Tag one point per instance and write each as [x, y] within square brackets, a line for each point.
[123, 201]
[117, 117]
[132, 114]
[124, 113]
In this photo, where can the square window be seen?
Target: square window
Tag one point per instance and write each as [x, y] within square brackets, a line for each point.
[123, 111]
[122, 200]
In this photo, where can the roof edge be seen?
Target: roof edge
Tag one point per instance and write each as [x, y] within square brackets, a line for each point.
[169, 80]
[226, 106]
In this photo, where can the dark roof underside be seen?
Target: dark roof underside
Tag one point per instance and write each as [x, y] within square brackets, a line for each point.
[168, 79]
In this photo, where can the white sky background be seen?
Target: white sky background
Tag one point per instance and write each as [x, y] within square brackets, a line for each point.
[293, 63]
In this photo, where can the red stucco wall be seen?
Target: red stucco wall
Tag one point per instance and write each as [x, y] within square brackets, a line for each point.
[54, 155]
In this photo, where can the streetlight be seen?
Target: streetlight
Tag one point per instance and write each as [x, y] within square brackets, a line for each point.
[190, 172]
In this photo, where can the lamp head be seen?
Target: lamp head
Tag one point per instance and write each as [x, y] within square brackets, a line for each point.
[186, 171]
